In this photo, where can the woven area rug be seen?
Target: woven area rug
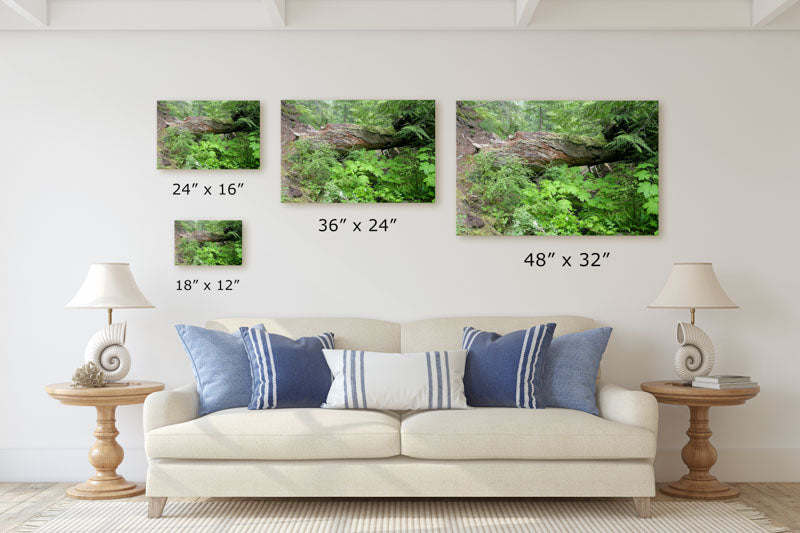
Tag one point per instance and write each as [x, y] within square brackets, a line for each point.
[563, 516]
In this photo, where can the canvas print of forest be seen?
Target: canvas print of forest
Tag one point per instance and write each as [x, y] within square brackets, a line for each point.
[358, 151]
[209, 134]
[208, 242]
[557, 167]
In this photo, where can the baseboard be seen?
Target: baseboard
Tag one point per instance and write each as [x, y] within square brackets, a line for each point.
[69, 464]
[52, 464]
[738, 464]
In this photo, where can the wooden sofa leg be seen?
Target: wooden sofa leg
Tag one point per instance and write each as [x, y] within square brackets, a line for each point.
[642, 506]
[155, 506]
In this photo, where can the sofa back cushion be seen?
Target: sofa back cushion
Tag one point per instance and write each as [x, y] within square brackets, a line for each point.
[446, 333]
[416, 336]
[351, 333]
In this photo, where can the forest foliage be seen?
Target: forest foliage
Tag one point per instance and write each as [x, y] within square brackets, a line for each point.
[403, 172]
[616, 197]
[210, 134]
[208, 242]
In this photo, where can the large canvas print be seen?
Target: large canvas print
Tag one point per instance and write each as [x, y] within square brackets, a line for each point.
[209, 134]
[208, 242]
[358, 151]
[557, 167]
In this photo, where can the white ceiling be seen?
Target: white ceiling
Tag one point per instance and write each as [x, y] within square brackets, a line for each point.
[399, 14]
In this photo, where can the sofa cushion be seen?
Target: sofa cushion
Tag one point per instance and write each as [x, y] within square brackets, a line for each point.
[280, 434]
[509, 433]
[571, 368]
[506, 370]
[286, 372]
[397, 381]
[220, 365]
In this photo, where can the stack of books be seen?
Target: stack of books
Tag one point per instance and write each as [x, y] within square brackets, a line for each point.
[723, 382]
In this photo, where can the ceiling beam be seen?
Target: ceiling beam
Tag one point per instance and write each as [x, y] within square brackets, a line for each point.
[277, 10]
[642, 15]
[525, 9]
[766, 11]
[34, 11]
[400, 14]
[528, 15]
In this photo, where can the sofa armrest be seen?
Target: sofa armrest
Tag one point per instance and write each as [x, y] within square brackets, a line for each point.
[632, 407]
[169, 407]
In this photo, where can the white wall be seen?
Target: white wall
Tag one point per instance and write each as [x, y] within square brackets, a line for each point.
[77, 158]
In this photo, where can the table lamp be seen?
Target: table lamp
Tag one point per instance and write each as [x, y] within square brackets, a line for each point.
[693, 286]
[109, 286]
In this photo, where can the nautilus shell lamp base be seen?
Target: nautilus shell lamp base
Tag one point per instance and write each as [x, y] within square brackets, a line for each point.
[695, 355]
[107, 350]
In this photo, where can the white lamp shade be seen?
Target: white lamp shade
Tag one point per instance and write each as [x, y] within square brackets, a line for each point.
[693, 286]
[109, 286]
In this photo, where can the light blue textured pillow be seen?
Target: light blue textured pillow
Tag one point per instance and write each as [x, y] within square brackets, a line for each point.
[286, 372]
[506, 370]
[571, 367]
[220, 365]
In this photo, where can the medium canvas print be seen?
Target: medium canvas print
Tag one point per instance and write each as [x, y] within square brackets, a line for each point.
[208, 242]
[209, 134]
[358, 151]
[557, 167]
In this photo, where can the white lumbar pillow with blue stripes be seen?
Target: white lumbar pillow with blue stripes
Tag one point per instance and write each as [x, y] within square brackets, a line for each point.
[410, 381]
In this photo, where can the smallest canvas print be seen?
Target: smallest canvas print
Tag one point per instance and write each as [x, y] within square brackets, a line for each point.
[209, 134]
[208, 242]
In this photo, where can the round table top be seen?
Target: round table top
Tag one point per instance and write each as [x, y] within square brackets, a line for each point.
[674, 392]
[114, 394]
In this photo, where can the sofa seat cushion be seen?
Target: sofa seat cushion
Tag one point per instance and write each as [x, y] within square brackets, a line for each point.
[509, 433]
[281, 434]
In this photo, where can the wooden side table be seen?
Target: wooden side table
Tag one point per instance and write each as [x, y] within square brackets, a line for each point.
[106, 454]
[698, 454]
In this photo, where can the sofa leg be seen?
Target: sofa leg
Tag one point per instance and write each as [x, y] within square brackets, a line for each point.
[155, 506]
[642, 506]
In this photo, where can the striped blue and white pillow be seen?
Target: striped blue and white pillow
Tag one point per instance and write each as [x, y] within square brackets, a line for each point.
[506, 370]
[286, 372]
[376, 380]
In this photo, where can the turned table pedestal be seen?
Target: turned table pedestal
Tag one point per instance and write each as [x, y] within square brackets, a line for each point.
[106, 454]
[698, 454]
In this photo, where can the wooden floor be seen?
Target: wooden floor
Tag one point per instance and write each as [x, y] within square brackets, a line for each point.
[21, 501]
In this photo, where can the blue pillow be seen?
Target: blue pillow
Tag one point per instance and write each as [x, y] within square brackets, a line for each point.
[286, 372]
[571, 369]
[220, 365]
[506, 371]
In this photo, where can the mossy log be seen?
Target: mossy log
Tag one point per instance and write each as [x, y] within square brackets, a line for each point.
[205, 236]
[540, 149]
[536, 149]
[347, 137]
[200, 125]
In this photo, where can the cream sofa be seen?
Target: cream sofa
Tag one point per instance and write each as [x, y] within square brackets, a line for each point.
[480, 452]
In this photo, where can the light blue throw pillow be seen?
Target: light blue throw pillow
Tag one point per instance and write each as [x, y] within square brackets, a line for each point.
[571, 367]
[220, 365]
[506, 370]
[286, 372]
